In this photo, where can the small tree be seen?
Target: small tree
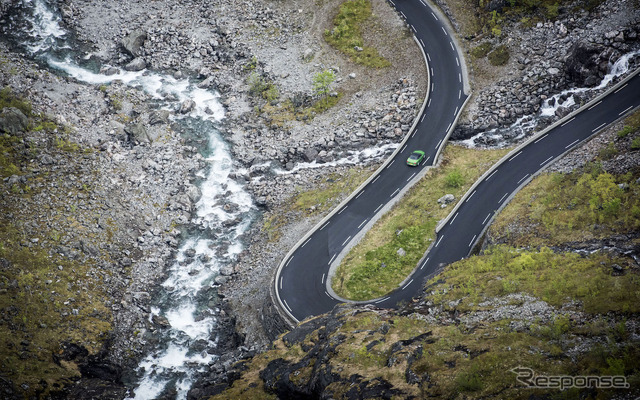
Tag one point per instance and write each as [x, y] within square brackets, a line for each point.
[322, 81]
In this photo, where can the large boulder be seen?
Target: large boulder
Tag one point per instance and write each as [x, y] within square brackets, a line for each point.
[13, 121]
[137, 132]
[137, 64]
[133, 42]
[582, 64]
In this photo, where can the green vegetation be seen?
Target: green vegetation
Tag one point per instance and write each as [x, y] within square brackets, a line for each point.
[46, 301]
[499, 56]
[346, 34]
[559, 208]
[8, 99]
[552, 277]
[322, 82]
[481, 50]
[258, 86]
[323, 197]
[374, 267]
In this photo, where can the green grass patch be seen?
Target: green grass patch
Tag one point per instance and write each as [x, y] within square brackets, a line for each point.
[481, 50]
[45, 301]
[9, 99]
[346, 34]
[499, 56]
[554, 278]
[374, 267]
[559, 208]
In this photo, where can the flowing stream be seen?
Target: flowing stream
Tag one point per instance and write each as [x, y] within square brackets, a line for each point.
[185, 297]
[524, 126]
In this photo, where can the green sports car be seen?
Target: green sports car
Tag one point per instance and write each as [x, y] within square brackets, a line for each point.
[415, 158]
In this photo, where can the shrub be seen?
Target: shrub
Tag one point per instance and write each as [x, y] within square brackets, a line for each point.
[454, 179]
[481, 50]
[499, 56]
[635, 144]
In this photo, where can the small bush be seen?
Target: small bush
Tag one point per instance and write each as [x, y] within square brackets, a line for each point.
[635, 144]
[8, 99]
[454, 179]
[499, 56]
[625, 131]
[481, 50]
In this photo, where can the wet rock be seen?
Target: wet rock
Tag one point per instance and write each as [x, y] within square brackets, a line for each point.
[13, 121]
[137, 64]
[582, 64]
[160, 321]
[133, 42]
[159, 117]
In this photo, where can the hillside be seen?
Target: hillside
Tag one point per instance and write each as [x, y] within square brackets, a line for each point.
[539, 302]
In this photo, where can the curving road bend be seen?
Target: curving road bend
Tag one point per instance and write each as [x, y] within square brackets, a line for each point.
[301, 281]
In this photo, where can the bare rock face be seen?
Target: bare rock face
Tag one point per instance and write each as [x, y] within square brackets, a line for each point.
[13, 121]
[583, 64]
[133, 42]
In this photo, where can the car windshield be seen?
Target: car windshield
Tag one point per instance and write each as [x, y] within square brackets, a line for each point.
[414, 156]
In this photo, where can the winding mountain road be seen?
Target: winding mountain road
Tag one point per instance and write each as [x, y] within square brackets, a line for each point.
[300, 284]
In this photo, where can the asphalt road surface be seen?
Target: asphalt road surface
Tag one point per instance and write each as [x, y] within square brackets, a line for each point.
[301, 284]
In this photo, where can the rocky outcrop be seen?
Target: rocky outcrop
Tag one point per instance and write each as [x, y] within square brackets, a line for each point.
[13, 121]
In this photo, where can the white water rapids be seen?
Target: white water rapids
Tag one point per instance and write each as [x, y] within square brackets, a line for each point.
[185, 300]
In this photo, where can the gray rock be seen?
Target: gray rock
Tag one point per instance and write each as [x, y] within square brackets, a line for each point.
[159, 117]
[13, 121]
[161, 321]
[187, 106]
[310, 154]
[446, 199]
[401, 252]
[137, 132]
[133, 42]
[137, 64]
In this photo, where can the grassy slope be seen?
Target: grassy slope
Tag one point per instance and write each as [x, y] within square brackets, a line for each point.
[553, 312]
[46, 300]
[410, 225]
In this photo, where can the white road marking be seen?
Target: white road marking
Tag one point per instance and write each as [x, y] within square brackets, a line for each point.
[572, 143]
[377, 177]
[422, 119]
[598, 128]
[408, 283]
[323, 275]
[459, 77]
[281, 278]
[630, 107]
[392, 2]
[305, 242]
[345, 242]
[428, 105]
[414, 28]
[414, 132]
[362, 223]
[459, 94]
[471, 242]
[327, 293]
[469, 198]
[486, 218]
[434, 16]
[412, 175]
[502, 198]
[438, 145]
[423, 45]
[439, 240]
[424, 263]
[566, 122]
[287, 305]
[595, 105]
[621, 87]
[492, 174]
[457, 61]
[523, 178]
[448, 126]
[539, 139]
[325, 225]
[392, 161]
[330, 261]
[520, 152]
[405, 17]
[432, 87]
[345, 207]
[432, 72]
[287, 264]
[546, 161]
[454, 218]
[444, 30]
[405, 146]
[376, 210]
[428, 56]
[383, 299]
[359, 194]
[425, 161]
[452, 48]
[395, 192]
[455, 112]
